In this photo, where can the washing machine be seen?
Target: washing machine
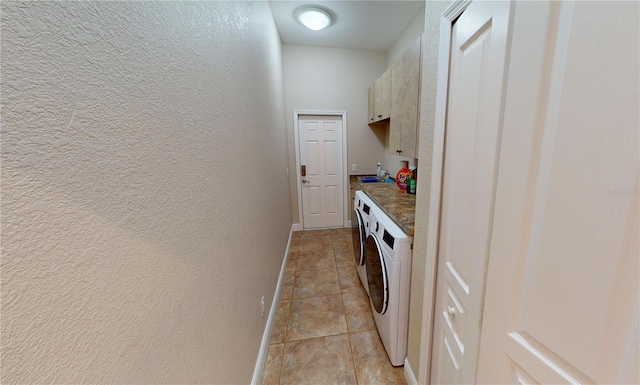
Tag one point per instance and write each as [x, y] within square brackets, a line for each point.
[360, 231]
[388, 252]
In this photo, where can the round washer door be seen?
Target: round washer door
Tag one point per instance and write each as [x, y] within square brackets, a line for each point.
[377, 277]
[358, 234]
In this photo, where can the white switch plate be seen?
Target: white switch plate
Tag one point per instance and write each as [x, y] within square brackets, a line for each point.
[354, 167]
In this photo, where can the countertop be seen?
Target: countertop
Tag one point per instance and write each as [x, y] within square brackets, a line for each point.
[397, 204]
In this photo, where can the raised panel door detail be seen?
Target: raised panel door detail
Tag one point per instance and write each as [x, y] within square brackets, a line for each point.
[331, 192]
[472, 133]
[313, 202]
[313, 157]
[330, 154]
[329, 127]
[311, 127]
[519, 376]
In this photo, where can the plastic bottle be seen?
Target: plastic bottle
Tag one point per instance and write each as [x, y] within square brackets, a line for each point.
[379, 173]
[403, 175]
[412, 181]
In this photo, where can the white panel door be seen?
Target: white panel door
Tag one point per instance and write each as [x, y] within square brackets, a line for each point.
[478, 49]
[322, 187]
[562, 302]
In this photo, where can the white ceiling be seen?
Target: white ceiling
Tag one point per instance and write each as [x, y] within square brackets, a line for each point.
[359, 24]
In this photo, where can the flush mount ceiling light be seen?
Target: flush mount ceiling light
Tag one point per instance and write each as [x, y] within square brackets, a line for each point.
[314, 18]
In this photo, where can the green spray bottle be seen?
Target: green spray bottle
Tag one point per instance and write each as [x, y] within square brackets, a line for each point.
[412, 181]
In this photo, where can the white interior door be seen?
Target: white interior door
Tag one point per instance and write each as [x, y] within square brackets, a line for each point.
[320, 141]
[562, 301]
[478, 49]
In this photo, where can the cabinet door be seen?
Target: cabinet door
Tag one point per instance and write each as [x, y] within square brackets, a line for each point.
[382, 96]
[371, 117]
[405, 88]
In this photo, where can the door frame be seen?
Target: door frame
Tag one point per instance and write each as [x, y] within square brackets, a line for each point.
[345, 174]
[448, 17]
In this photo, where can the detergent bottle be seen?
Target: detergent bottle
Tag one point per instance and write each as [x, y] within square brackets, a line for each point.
[403, 175]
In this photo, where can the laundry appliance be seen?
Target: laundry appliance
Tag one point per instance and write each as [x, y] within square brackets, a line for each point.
[388, 253]
[360, 231]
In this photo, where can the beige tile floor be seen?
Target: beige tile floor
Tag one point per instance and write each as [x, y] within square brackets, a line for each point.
[324, 332]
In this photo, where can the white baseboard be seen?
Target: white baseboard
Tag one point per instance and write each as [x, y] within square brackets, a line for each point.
[264, 345]
[408, 374]
[298, 226]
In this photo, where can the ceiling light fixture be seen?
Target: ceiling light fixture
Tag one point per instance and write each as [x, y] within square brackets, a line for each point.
[314, 18]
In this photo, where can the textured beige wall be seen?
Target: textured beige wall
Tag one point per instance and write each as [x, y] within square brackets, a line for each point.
[321, 78]
[145, 205]
[409, 35]
[430, 57]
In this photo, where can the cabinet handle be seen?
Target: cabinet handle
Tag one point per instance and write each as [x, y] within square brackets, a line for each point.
[379, 116]
[399, 151]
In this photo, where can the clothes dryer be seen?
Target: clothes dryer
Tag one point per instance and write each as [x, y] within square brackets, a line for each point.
[360, 231]
[388, 252]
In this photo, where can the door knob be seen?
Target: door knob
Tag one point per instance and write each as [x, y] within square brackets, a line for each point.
[451, 311]
[305, 181]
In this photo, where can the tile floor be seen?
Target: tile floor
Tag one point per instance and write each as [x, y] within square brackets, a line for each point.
[324, 332]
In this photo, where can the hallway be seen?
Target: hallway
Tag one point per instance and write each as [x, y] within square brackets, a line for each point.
[324, 332]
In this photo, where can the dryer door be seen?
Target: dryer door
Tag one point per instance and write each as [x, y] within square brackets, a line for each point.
[377, 276]
[359, 234]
